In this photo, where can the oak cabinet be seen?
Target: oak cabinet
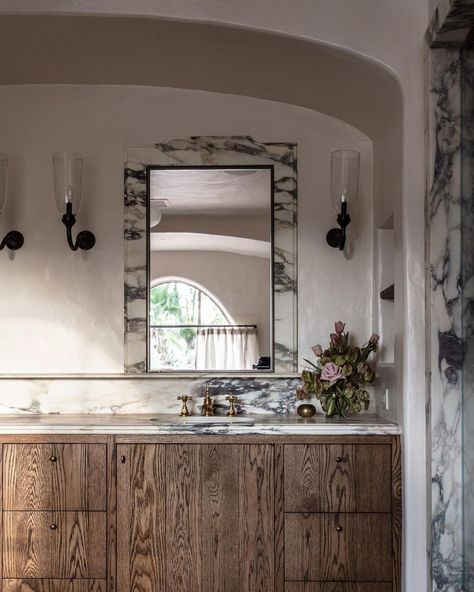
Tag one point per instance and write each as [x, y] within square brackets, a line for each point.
[207, 514]
[199, 518]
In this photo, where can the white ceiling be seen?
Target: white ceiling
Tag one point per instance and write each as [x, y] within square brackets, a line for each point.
[193, 241]
[231, 191]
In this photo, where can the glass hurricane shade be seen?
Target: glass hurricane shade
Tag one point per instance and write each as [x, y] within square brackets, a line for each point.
[67, 169]
[155, 214]
[344, 178]
[3, 180]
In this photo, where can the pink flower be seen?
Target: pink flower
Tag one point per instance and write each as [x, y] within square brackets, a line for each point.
[317, 350]
[374, 339]
[332, 373]
[339, 326]
[334, 337]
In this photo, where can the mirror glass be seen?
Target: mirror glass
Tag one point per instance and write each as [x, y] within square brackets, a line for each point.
[209, 268]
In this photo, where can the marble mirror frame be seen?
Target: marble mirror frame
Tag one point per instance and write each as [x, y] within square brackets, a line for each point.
[218, 151]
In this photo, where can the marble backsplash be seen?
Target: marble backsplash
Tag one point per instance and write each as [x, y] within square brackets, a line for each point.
[257, 395]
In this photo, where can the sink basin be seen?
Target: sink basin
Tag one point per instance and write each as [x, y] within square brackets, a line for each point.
[199, 419]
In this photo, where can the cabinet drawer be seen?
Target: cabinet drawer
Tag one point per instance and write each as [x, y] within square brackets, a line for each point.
[54, 477]
[337, 587]
[338, 478]
[331, 547]
[54, 585]
[54, 545]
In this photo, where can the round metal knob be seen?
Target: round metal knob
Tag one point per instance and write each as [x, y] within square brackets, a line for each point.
[53, 458]
[338, 459]
[53, 526]
[339, 528]
[122, 459]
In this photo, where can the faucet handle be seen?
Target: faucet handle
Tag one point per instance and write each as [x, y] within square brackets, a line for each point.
[231, 412]
[184, 408]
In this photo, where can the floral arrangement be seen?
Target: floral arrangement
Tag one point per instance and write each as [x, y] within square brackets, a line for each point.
[340, 374]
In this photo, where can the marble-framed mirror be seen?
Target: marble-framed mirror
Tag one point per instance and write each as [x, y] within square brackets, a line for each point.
[207, 153]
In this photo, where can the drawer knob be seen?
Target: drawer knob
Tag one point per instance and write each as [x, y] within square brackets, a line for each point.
[339, 459]
[122, 459]
[53, 526]
[339, 528]
[53, 458]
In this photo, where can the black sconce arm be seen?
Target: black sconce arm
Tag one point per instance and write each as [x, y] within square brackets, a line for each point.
[85, 240]
[13, 240]
[336, 237]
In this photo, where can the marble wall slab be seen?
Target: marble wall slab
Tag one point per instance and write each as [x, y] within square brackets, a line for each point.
[451, 23]
[467, 61]
[206, 151]
[444, 327]
[91, 395]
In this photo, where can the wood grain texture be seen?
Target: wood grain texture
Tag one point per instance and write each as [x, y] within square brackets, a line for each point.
[315, 550]
[397, 513]
[54, 586]
[111, 515]
[338, 587]
[79, 477]
[220, 528]
[256, 514]
[337, 478]
[27, 477]
[75, 481]
[141, 492]
[75, 549]
[183, 521]
[279, 519]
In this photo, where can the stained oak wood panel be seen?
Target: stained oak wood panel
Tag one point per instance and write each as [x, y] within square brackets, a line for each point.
[54, 586]
[54, 477]
[338, 587]
[396, 512]
[256, 514]
[184, 561]
[315, 550]
[76, 548]
[279, 519]
[337, 478]
[141, 498]
[219, 472]
[27, 476]
[79, 477]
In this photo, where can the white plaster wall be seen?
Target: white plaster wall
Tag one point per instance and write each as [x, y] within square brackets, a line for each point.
[239, 282]
[63, 311]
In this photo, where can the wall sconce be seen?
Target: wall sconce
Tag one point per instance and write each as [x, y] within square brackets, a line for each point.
[13, 240]
[344, 192]
[67, 168]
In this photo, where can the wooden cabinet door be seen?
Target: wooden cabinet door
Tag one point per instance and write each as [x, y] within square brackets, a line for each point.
[338, 478]
[195, 518]
[54, 545]
[345, 547]
[54, 477]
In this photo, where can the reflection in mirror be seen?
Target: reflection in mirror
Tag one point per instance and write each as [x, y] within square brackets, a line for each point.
[210, 286]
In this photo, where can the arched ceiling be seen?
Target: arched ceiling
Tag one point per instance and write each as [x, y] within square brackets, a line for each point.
[142, 51]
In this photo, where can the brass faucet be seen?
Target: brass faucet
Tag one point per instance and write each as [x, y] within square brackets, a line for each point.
[184, 408]
[231, 412]
[207, 406]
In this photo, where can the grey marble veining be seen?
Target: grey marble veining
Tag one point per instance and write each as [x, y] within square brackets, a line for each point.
[174, 425]
[445, 313]
[451, 23]
[467, 57]
[222, 151]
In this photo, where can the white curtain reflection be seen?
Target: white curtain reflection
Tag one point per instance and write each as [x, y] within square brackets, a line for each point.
[227, 348]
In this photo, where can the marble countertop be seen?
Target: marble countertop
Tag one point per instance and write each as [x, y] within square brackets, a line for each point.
[162, 424]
